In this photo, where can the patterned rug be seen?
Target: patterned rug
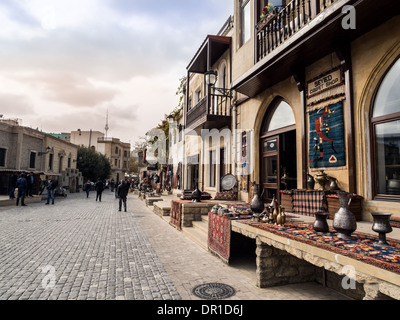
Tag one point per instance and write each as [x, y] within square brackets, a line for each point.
[361, 246]
[176, 213]
[219, 236]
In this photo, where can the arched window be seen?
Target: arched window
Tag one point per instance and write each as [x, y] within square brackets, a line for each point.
[280, 118]
[385, 123]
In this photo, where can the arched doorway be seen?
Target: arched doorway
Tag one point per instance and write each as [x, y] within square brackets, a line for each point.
[278, 163]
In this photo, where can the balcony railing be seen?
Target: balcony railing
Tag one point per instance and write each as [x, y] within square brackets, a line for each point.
[286, 22]
[216, 104]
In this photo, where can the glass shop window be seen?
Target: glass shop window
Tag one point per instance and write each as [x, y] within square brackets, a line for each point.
[212, 168]
[386, 135]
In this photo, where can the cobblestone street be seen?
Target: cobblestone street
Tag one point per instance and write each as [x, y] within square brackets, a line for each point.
[85, 250]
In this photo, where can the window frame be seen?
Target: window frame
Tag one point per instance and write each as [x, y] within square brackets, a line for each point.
[374, 121]
[5, 157]
[212, 169]
[30, 159]
[242, 5]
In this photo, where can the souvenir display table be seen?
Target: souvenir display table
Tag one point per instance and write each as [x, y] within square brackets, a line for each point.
[376, 268]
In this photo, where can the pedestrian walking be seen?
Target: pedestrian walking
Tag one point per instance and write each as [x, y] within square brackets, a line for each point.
[22, 185]
[13, 182]
[51, 187]
[116, 189]
[87, 187]
[31, 181]
[99, 189]
[123, 190]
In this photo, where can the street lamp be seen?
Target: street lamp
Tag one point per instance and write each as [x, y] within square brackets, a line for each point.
[170, 119]
[211, 77]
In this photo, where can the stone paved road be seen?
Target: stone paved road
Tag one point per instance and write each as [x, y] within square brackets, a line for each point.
[96, 253]
[82, 249]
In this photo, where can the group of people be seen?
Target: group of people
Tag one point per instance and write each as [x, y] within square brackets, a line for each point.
[25, 185]
[121, 191]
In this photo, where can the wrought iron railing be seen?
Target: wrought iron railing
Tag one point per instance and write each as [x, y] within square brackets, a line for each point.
[216, 103]
[282, 24]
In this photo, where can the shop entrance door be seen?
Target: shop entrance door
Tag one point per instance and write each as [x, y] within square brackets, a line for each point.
[270, 170]
[278, 156]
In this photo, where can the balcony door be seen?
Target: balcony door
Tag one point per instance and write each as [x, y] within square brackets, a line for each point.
[278, 154]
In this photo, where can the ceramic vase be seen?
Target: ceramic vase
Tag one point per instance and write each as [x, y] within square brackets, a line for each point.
[344, 221]
[321, 224]
[281, 218]
[382, 227]
[196, 195]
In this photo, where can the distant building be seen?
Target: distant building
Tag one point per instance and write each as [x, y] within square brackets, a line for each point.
[118, 153]
[86, 138]
[24, 150]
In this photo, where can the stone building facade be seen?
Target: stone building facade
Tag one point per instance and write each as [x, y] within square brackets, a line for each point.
[24, 149]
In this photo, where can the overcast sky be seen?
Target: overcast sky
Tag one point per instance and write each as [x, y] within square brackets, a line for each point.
[64, 63]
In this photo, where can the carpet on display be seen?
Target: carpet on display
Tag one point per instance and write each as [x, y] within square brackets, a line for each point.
[176, 213]
[219, 236]
[361, 246]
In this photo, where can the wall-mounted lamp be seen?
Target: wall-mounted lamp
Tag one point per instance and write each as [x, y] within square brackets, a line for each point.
[170, 119]
[211, 77]
[48, 149]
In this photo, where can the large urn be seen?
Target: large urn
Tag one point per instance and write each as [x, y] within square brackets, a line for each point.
[257, 204]
[196, 195]
[344, 221]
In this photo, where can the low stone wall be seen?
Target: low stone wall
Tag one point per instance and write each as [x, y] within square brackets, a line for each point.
[162, 208]
[281, 263]
[193, 212]
[151, 200]
[276, 267]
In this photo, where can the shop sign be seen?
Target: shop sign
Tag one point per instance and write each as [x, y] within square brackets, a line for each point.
[325, 82]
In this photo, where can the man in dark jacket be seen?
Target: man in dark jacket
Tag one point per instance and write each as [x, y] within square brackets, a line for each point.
[22, 185]
[51, 187]
[123, 190]
[13, 182]
[99, 189]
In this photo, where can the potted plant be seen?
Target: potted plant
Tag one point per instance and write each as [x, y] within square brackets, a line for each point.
[267, 14]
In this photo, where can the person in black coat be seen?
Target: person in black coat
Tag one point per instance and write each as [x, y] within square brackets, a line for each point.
[22, 186]
[13, 182]
[123, 190]
[99, 189]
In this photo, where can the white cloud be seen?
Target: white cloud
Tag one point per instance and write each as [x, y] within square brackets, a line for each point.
[68, 61]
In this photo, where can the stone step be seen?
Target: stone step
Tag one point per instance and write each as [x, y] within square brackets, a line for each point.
[162, 208]
[196, 235]
[201, 225]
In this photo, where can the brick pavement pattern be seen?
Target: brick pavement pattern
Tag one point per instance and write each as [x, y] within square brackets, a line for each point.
[96, 252]
[92, 251]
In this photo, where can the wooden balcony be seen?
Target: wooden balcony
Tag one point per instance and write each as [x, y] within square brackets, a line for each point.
[212, 112]
[303, 32]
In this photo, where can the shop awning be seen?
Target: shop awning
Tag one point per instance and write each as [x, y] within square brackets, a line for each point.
[210, 51]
